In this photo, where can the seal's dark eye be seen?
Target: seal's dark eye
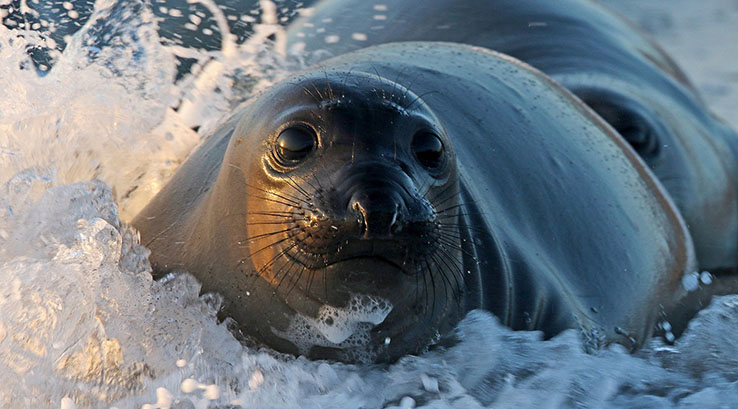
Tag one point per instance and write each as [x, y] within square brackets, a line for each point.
[428, 148]
[633, 121]
[641, 138]
[294, 144]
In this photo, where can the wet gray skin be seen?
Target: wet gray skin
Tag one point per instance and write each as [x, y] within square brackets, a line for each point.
[423, 180]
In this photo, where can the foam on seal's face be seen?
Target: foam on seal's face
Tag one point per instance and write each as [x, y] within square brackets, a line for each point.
[344, 328]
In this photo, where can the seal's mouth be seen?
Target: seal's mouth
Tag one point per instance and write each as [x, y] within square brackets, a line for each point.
[372, 258]
[393, 255]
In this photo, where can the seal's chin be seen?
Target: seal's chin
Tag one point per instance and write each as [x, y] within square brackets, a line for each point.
[364, 309]
[374, 300]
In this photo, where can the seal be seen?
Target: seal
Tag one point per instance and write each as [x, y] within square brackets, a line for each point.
[358, 210]
[603, 59]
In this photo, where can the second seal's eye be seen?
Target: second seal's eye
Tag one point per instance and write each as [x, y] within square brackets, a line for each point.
[428, 148]
[294, 144]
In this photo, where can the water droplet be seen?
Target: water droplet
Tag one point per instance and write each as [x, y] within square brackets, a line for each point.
[706, 277]
[690, 281]
[189, 385]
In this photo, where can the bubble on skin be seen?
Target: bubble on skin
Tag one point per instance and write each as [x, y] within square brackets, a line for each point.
[666, 327]
[343, 328]
[690, 281]
[706, 278]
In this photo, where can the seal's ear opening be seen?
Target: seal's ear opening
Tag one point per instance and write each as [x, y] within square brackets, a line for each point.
[630, 119]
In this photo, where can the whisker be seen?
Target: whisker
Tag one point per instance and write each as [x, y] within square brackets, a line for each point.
[456, 246]
[452, 227]
[380, 81]
[331, 95]
[447, 286]
[289, 266]
[297, 280]
[271, 262]
[456, 206]
[310, 280]
[291, 198]
[274, 201]
[263, 222]
[297, 187]
[275, 214]
[417, 285]
[259, 272]
[307, 91]
[315, 177]
[419, 97]
[464, 213]
[457, 265]
[453, 193]
[264, 235]
[315, 87]
[433, 286]
[345, 79]
[273, 244]
[425, 286]
[306, 181]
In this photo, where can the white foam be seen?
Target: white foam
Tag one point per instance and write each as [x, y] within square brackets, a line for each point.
[346, 327]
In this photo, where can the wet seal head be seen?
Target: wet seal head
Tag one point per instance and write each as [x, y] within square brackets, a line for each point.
[352, 189]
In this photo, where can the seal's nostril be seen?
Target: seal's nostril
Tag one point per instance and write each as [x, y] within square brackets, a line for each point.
[360, 217]
[377, 213]
[396, 224]
[405, 168]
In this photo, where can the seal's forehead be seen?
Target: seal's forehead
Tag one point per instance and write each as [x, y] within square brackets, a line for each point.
[336, 88]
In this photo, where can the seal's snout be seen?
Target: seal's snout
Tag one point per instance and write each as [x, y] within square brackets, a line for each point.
[378, 213]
